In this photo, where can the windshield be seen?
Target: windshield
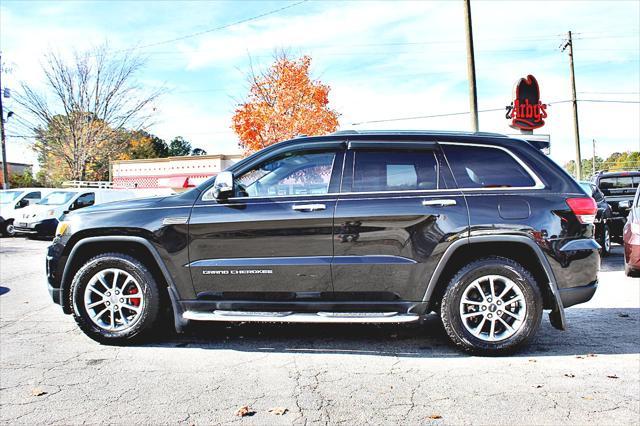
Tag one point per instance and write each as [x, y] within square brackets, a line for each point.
[7, 197]
[57, 198]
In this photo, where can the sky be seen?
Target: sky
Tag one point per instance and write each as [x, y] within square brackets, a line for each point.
[385, 61]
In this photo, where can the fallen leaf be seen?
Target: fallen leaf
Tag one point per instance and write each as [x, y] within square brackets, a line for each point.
[623, 315]
[538, 386]
[245, 411]
[533, 360]
[613, 376]
[570, 375]
[587, 397]
[38, 392]
[435, 416]
[580, 357]
[278, 411]
[591, 355]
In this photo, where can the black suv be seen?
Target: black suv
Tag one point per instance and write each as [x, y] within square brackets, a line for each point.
[352, 227]
[618, 188]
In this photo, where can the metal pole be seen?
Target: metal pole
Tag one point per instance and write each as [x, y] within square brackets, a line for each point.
[471, 67]
[574, 102]
[593, 159]
[5, 167]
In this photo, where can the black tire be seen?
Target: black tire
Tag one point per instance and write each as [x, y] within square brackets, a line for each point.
[147, 318]
[9, 230]
[450, 306]
[605, 241]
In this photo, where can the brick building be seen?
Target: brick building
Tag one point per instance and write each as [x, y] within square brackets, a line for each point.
[172, 172]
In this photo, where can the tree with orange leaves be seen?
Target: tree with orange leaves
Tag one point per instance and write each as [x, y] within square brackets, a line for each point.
[283, 102]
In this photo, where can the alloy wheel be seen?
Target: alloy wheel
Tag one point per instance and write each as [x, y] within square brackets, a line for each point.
[113, 299]
[493, 308]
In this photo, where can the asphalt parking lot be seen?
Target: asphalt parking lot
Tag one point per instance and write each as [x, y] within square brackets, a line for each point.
[51, 373]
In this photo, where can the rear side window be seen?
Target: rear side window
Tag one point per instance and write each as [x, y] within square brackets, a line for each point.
[619, 182]
[485, 167]
[376, 171]
[33, 195]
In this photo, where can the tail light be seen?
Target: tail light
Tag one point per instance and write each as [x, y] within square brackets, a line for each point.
[585, 208]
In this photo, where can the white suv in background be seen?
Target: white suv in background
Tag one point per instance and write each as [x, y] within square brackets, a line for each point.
[42, 218]
[13, 202]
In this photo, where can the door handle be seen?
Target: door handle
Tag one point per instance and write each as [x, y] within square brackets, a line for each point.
[308, 207]
[440, 203]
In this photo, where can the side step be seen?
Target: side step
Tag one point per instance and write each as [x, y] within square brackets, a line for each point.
[319, 317]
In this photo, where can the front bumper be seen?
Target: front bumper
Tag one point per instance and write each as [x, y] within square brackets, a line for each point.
[576, 295]
[45, 227]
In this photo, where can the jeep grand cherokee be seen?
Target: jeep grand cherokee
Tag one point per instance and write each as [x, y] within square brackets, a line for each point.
[352, 227]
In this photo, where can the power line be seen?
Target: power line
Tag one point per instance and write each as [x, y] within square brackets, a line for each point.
[222, 27]
[418, 117]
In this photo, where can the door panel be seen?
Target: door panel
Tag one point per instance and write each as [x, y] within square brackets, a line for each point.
[242, 249]
[273, 241]
[397, 214]
[386, 247]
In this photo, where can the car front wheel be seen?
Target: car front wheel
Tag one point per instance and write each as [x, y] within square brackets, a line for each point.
[115, 298]
[491, 306]
[606, 241]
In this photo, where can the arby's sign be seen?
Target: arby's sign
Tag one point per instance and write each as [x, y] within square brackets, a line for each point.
[526, 111]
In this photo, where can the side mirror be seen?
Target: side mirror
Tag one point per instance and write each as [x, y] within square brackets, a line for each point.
[223, 186]
[22, 203]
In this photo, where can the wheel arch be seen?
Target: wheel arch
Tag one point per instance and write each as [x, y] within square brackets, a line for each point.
[519, 248]
[137, 247]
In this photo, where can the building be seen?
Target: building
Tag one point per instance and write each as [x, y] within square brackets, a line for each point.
[14, 169]
[172, 172]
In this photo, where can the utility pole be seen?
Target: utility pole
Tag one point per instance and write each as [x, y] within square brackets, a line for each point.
[5, 167]
[471, 67]
[574, 102]
[593, 159]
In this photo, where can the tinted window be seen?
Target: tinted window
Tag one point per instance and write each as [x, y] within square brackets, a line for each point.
[85, 200]
[619, 182]
[394, 171]
[293, 174]
[33, 195]
[57, 198]
[480, 167]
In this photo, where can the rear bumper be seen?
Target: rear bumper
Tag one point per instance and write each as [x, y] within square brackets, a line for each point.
[576, 295]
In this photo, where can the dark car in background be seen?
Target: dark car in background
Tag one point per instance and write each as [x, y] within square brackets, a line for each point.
[602, 233]
[619, 189]
[351, 227]
[632, 239]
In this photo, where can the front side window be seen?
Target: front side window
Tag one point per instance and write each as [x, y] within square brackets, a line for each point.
[33, 195]
[376, 171]
[486, 167]
[85, 200]
[298, 173]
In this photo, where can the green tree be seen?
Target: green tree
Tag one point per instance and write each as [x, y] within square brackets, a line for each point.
[179, 147]
[198, 151]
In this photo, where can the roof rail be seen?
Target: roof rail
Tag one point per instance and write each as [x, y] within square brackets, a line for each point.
[416, 132]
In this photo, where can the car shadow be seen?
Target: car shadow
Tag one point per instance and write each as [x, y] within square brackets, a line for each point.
[591, 331]
[4, 290]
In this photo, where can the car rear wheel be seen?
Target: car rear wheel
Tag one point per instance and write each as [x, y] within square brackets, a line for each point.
[491, 306]
[115, 298]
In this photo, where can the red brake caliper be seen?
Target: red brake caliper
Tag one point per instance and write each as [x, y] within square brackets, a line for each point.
[134, 301]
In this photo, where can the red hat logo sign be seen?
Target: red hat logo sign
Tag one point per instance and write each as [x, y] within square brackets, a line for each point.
[526, 112]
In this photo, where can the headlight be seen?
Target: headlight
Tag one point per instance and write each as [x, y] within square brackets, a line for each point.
[62, 228]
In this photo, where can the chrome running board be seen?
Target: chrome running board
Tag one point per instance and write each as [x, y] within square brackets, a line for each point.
[319, 317]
